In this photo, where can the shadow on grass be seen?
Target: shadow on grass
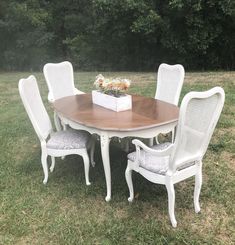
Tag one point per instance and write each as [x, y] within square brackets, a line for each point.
[68, 177]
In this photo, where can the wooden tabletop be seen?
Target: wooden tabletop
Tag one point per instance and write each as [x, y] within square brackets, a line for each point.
[145, 113]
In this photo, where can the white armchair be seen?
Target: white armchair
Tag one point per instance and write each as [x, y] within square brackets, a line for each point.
[169, 163]
[54, 144]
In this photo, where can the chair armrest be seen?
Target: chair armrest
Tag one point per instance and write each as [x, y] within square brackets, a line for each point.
[138, 144]
[76, 91]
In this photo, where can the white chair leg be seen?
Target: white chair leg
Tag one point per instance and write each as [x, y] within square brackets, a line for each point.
[173, 135]
[156, 139]
[64, 128]
[86, 167]
[92, 150]
[44, 166]
[171, 202]
[129, 182]
[127, 145]
[52, 164]
[151, 141]
[57, 122]
[197, 188]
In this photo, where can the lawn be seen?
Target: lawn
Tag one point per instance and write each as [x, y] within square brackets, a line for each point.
[66, 211]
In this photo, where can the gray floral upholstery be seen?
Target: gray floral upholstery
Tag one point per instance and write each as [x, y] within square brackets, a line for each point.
[68, 139]
[155, 163]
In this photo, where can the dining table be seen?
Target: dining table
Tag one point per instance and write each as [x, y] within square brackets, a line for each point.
[147, 118]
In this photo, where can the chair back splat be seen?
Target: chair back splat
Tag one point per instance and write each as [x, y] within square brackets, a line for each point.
[170, 79]
[33, 104]
[60, 80]
[199, 114]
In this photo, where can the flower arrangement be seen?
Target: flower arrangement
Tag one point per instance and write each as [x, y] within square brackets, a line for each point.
[115, 87]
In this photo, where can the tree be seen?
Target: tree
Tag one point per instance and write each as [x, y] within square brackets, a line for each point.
[117, 35]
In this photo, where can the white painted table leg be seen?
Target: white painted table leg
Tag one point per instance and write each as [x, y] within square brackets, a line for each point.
[104, 140]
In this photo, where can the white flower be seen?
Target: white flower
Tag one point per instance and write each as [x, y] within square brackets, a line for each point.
[99, 77]
[127, 82]
[106, 83]
[112, 85]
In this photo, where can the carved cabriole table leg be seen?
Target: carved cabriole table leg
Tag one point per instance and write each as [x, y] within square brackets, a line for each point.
[104, 142]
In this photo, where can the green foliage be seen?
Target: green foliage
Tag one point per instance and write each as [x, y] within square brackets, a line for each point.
[24, 36]
[120, 35]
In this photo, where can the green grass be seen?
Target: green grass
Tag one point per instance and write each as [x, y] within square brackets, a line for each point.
[66, 211]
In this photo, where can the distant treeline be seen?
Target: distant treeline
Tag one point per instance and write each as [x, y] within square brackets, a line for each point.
[117, 34]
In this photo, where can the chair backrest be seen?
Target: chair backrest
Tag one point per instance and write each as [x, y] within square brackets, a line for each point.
[170, 79]
[199, 114]
[60, 80]
[33, 104]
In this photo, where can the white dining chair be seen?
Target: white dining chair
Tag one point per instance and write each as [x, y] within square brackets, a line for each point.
[60, 81]
[170, 80]
[169, 163]
[54, 144]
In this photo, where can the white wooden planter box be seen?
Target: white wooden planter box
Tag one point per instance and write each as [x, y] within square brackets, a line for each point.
[110, 102]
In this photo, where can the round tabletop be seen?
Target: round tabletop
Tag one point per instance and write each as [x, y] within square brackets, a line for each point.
[145, 113]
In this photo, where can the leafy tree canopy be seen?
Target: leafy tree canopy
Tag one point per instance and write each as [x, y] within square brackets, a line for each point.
[117, 34]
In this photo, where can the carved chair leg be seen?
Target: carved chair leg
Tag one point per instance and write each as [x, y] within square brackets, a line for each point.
[197, 188]
[129, 182]
[92, 150]
[52, 164]
[171, 202]
[57, 122]
[151, 142]
[156, 139]
[126, 145]
[173, 135]
[86, 167]
[44, 166]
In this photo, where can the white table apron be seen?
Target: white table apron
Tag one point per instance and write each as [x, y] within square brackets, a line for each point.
[106, 135]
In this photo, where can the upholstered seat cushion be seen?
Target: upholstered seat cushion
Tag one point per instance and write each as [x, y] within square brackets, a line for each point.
[155, 163]
[68, 139]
